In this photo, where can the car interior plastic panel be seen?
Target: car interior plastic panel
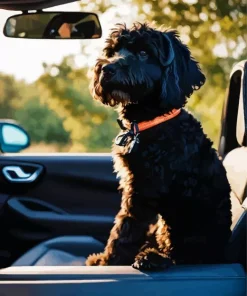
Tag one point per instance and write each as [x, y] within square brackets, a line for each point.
[200, 280]
[234, 110]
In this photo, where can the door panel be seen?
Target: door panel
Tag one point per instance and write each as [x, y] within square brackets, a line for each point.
[81, 184]
[57, 220]
[76, 194]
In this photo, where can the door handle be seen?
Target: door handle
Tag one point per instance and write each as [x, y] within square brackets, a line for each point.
[20, 175]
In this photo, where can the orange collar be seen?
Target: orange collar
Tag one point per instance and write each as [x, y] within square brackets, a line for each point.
[123, 138]
[142, 126]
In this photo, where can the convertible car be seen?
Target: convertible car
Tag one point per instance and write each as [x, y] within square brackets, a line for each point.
[50, 222]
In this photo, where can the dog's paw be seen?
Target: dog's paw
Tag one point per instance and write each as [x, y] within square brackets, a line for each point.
[152, 261]
[96, 260]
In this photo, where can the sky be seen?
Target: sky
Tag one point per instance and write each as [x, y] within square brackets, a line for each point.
[23, 58]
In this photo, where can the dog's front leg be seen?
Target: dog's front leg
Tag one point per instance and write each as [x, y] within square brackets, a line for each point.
[156, 255]
[126, 238]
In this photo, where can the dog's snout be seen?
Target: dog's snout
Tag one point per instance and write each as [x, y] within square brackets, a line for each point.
[108, 70]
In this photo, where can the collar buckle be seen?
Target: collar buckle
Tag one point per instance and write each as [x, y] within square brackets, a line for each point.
[128, 136]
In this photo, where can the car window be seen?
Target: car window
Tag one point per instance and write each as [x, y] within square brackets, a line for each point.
[44, 83]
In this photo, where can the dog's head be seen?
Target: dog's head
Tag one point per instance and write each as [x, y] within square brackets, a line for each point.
[143, 65]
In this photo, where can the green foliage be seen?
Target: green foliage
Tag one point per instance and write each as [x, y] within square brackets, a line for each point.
[20, 101]
[65, 90]
[9, 95]
[216, 32]
[59, 108]
[42, 124]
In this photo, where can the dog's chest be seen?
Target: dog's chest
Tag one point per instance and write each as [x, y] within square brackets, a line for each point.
[145, 165]
[143, 172]
[161, 156]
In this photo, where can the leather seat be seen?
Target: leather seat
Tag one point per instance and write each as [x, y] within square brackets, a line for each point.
[236, 167]
[61, 251]
[235, 163]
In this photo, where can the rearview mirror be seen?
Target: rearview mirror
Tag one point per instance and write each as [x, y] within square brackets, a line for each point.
[13, 138]
[53, 25]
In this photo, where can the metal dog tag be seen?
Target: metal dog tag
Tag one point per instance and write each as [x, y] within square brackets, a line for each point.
[134, 144]
[129, 137]
[122, 139]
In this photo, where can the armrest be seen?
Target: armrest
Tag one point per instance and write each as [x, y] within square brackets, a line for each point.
[213, 280]
[192, 272]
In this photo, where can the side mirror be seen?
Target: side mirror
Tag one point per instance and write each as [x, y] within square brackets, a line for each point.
[13, 138]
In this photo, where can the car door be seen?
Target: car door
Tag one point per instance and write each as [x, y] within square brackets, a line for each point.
[44, 196]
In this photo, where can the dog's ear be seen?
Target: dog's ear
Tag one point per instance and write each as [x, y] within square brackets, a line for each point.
[182, 72]
[95, 87]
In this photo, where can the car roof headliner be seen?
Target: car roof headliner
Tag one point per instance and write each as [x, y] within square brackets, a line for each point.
[31, 4]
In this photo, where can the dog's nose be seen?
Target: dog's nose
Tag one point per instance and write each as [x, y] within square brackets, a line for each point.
[108, 70]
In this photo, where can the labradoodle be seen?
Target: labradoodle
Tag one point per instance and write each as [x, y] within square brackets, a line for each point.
[175, 205]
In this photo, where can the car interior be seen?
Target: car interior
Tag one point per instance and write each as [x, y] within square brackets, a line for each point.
[48, 216]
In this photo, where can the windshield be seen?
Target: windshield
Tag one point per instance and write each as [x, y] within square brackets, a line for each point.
[44, 83]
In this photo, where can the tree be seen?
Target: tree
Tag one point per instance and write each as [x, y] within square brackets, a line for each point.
[9, 95]
[21, 101]
[216, 32]
[41, 123]
[65, 90]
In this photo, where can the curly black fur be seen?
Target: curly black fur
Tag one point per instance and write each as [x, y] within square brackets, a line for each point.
[175, 193]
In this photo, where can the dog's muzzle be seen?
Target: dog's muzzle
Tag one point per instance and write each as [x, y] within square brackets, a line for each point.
[108, 71]
[117, 92]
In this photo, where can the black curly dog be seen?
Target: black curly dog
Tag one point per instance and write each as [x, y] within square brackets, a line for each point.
[175, 194]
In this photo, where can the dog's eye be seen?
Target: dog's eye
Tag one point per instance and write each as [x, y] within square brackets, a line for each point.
[143, 53]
